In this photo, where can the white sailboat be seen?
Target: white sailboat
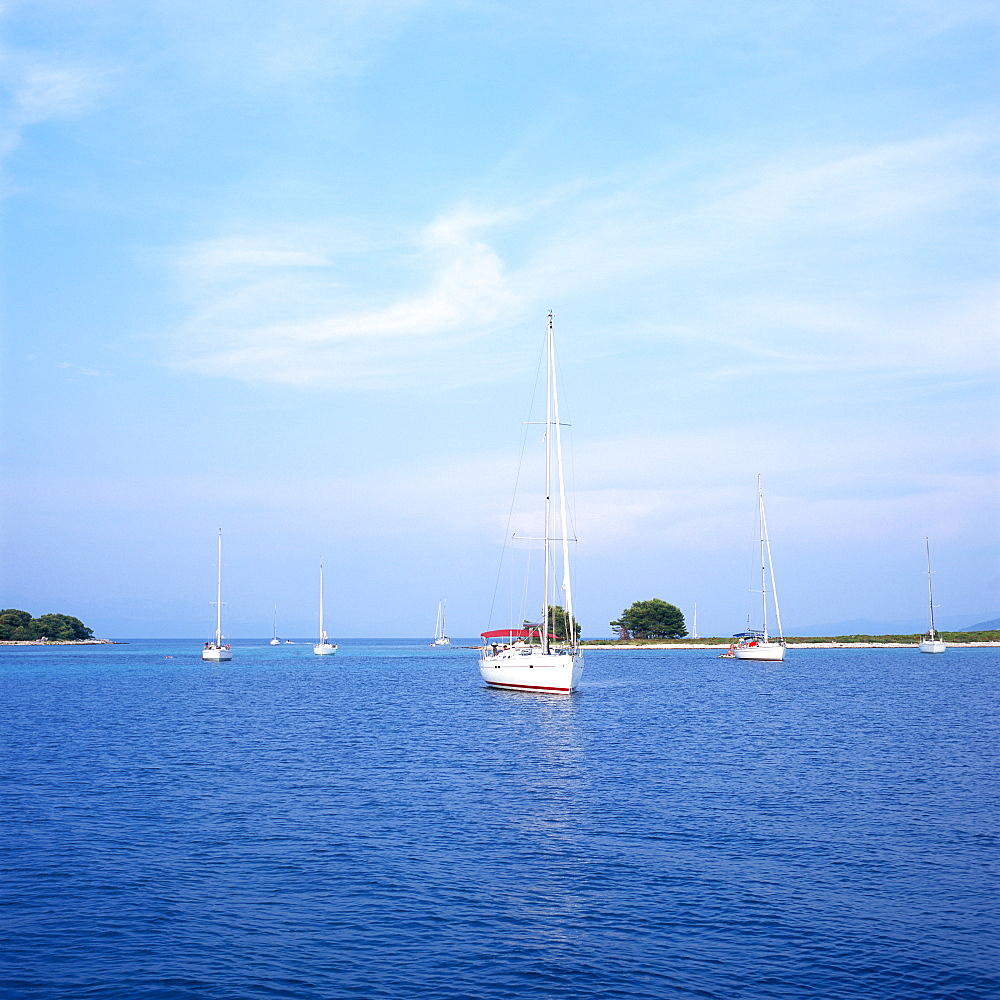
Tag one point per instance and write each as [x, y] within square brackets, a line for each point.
[931, 643]
[217, 650]
[324, 647]
[440, 638]
[275, 641]
[756, 644]
[533, 658]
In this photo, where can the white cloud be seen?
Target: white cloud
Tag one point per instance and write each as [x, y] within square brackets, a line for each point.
[210, 256]
[72, 370]
[52, 92]
[248, 46]
[257, 46]
[805, 260]
[40, 89]
[465, 292]
[811, 263]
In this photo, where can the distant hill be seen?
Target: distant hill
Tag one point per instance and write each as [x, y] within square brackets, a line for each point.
[981, 627]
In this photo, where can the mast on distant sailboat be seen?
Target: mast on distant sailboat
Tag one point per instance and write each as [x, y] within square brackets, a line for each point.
[931, 644]
[754, 644]
[440, 634]
[324, 647]
[216, 650]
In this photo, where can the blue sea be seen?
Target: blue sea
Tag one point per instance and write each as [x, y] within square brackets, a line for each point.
[380, 825]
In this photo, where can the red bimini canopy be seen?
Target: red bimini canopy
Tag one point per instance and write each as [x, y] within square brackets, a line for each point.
[514, 633]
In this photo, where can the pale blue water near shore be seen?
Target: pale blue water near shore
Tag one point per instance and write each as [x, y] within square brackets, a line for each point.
[381, 826]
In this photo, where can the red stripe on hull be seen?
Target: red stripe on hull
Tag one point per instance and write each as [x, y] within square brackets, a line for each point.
[529, 687]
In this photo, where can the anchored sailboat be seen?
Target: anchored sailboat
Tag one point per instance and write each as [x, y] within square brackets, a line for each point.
[324, 647]
[931, 643]
[536, 657]
[756, 644]
[275, 641]
[440, 637]
[216, 650]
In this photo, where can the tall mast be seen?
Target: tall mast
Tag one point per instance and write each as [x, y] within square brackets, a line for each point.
[549, 379]
[930, 592]
[218, 596]
[770, 564]
[322, 633]
[563, 516]
[763, 565]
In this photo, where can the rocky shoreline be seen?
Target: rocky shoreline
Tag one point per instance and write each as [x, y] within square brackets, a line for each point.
[60, 642]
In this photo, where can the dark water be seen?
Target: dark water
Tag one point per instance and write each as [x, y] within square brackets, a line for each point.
[380, 825]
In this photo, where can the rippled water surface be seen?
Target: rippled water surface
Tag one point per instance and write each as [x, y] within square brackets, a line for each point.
[380, 825]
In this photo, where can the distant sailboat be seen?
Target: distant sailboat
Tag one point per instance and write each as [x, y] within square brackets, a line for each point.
[440, 638]
[216, 650]
[324, 647]
[931, 643]
[511, 657]
[275, 641]
[756, 644]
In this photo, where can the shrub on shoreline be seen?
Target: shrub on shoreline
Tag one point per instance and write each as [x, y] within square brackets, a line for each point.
[20, 626]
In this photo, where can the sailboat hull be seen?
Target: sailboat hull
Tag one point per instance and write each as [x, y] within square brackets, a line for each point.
[517, 670]
[932, 646]
[217, 653]
[325, 648]
[762, 651]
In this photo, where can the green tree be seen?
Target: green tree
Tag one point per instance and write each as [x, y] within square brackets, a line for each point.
[20, 626]
[11, 620]
[652, 619]
[558, 623]
[60, 627]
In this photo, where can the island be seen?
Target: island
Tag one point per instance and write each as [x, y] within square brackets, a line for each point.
[18, 628]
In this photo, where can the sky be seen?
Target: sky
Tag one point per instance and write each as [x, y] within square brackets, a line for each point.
[284, 270]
